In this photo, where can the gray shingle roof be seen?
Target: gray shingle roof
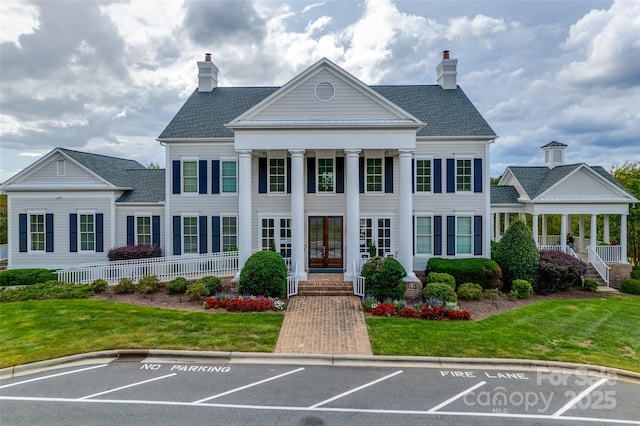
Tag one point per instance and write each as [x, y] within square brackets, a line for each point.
[552, 144]
[112, 169]
[504, 194]
[446, 112]
[148, 186]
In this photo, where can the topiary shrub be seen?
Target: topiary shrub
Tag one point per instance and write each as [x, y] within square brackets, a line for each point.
[443, 292]
[196, 291]
[521, 289]
[470, 291]
[590, 285]
[517, 255]
[441, 277]
[485, 272]
[384, 278]
[27, 276]
[558, 270]
[125, 285]
[213, 284]
[99, 286]
[147, 284]
[141, 251]
[177, 285]
[264, 273]
[630, 285]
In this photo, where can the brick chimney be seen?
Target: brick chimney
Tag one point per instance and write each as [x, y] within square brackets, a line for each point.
[447, 72]
[207, 74]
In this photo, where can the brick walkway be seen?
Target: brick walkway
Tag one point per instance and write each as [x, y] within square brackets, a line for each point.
[332, 325]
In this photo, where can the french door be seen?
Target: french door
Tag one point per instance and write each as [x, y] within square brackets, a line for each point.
[325, 242]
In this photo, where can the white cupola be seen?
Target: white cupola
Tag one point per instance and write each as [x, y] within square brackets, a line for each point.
[553, 154]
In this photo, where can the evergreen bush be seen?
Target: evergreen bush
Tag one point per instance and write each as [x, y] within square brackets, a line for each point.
[558, 270]
[27, 276]
[147, 284]
[590, 285]
[441, 277]
[485, 272]
[264, 274]
[125, 285]
[99, 285]
[470, 291]
[521, 289]
[196, 291]
[630, 285]
[384, 278]
[177, 285]
[441, 291]
[213, 284]
[517, 255]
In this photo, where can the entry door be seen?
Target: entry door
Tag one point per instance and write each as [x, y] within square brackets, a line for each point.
[325, 242]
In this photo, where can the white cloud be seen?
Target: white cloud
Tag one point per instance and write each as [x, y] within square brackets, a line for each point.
[317, 25]
[17, 18]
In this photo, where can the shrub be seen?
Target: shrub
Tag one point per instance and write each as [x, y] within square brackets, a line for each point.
[635, 273]
[630, 285]
[213, 284]
[441, 291]
[264, 273]
[590, 285]
[521, 289]
[147, 284]
[141, 251]
[485, 272]
[517, 255]
[558, 270]
[470, 291]
[99, 285]
[125, 285]
[196, 291]
[46, 291]
[441, 277]
[384, 278]
[177, 285]
[26, 276]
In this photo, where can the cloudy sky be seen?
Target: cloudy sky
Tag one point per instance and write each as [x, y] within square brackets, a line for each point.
[107, 76]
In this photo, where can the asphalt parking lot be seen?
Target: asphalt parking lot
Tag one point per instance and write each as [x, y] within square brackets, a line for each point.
[158, 391]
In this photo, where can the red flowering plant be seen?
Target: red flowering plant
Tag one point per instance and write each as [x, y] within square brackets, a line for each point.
[236, 303]
[428, 311]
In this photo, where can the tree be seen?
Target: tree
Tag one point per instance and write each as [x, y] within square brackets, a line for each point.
[153, 165]
[3, 218]
[517, 255]
[629, 176]
[495, 180]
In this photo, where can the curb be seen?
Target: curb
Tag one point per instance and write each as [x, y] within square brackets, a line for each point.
[337, 360]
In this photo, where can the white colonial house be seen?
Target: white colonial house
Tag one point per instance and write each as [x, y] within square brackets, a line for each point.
[321, 169]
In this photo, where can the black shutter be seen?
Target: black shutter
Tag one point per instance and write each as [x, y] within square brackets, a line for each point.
[215, 234]
[202, 229]
[388, 175]
[477, 175]
[437, 235]
[155, 231]
[215, 176]
[437, 175]
[202, 176]
[451, 235]
[176, 176]
[130, 231]
[340, 175]
[22, 224]
[311, 175]
[177, 235]
[99, 232]
[413, 175]
[361, 174]
[288, 175]
[477, 235]
[49, 232]
[451, 175]
[73, 232]
[262, 175]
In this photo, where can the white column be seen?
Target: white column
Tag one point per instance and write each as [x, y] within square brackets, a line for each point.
[544, 229]
[244, 208]
[623, 237]
[297, 213]
[406, 215]
[535, 228]
[593, 233]
[606, 233]
[353, 213]
[506, 221]
[581, 232]
[496, 227]
[563, 232]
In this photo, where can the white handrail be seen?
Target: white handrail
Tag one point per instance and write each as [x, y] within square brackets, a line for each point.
[292, 283]
[358, 282]
[599, 265]
[612, 254]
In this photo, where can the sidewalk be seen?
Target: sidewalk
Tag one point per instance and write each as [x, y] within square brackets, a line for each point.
[330, 325]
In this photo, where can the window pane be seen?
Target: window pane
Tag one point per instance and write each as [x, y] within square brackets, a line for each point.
[463, 175]
[190, 235]
[366, 235]
[384, 236]
[423, 235]
[463, 235]
[268, 234]
[229, 177]
[190, 176]
[423, 175]
[285, 238]
[229, 234]
[37, 231]
[144, 230]
[276, 175]
[87, 236]
[374, 174]
[325, 175]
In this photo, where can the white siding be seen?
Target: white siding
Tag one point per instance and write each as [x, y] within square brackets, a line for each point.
[584, 185]
[48, 173]
[142, 210]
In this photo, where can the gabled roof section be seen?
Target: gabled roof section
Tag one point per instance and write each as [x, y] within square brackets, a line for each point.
[148, 186]
[504, 194]
[553, 144]
[112, 169]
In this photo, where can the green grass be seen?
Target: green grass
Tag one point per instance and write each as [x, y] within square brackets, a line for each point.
[602, 331]
[39, 330]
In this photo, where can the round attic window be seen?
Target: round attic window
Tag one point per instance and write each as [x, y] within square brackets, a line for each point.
[324, 91]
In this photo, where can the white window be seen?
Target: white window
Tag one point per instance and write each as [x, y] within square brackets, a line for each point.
[463, 175]
[268, 234]
[62, 170]
[277, 176]
[190, 234]
[423, 176]
[325, 175]
[275, 234]
[87, 232]
[285, 238]
[376, 231]
[229, 176]
[374, 174]
[229, 233]
[464, 235]
[424, 236]
[36, 232]
[190, 177]
[143, 230]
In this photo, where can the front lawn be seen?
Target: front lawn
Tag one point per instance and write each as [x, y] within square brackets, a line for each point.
[39, 330]
[601, 331]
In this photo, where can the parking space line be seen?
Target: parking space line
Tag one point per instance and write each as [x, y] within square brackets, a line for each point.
[248, 386]
[453, 398]
[366, 385]
[52, 375]
[128, 386]
[578, 397]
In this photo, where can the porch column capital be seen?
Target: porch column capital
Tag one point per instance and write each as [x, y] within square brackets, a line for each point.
[352, 152]
[297, 152]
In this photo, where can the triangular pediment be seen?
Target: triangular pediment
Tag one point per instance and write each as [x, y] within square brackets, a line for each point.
[584, 184]
[325, 95]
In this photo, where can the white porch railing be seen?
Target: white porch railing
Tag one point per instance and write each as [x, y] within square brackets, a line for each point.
[612, 254]
[4, 251]
[602, 268]
[292, 283]
[165, 268]
[549, 240]
[567, 250]
[358, 282]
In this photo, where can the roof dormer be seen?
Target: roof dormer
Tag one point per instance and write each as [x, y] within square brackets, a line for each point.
[553, 154]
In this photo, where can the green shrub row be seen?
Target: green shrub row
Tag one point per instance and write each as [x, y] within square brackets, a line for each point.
[630, 285]
[26, 276]
[485, 272]
[45, 291]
